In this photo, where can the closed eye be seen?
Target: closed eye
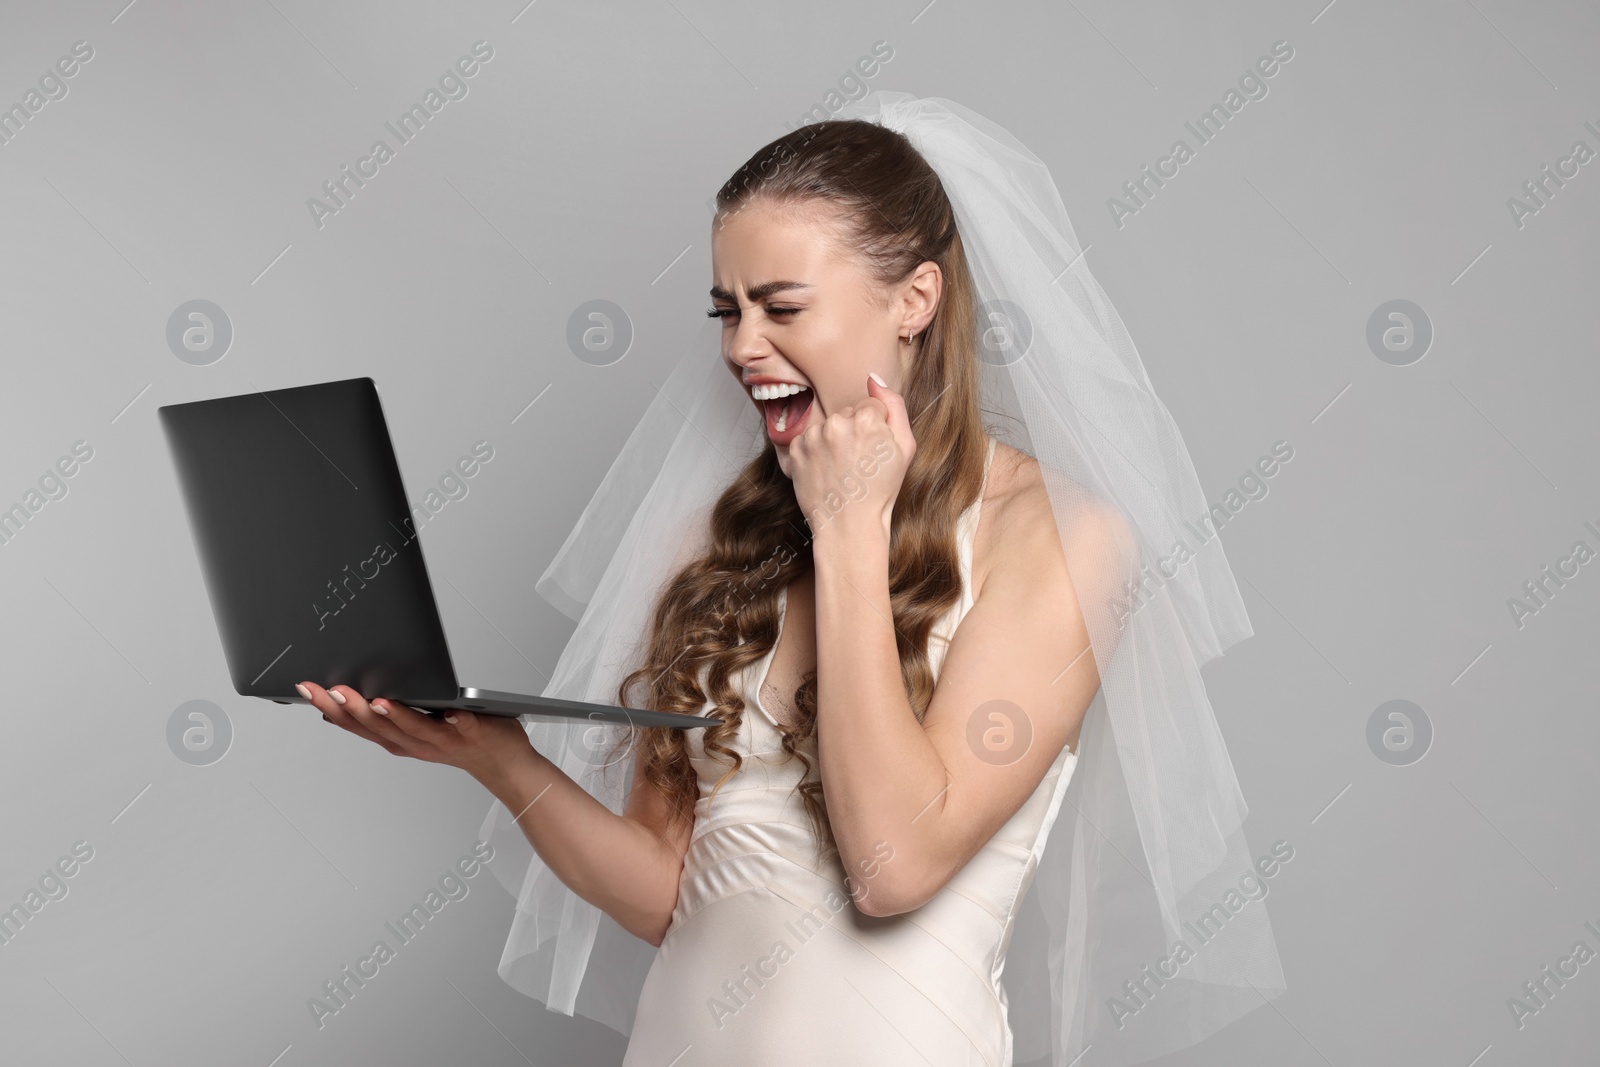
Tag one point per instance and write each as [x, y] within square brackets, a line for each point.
[722, 313]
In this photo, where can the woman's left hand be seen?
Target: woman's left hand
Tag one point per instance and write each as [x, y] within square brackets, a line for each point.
[851, 464]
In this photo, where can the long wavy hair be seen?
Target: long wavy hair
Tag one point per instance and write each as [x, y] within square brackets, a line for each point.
[719, 613]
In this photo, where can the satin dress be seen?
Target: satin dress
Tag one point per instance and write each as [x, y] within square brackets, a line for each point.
[767, 962]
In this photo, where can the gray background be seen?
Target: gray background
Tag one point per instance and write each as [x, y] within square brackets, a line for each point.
[1377, 567]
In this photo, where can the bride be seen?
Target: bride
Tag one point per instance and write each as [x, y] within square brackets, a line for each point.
[903, 624]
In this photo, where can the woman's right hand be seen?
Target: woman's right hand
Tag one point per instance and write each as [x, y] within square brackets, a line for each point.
[488, 747]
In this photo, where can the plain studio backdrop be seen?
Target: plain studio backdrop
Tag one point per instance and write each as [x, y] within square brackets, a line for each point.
[227, 867]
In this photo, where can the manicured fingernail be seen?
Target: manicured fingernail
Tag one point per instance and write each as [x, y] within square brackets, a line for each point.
[877, 378]
[450, 718]
[380, 709]
[338, 697]
[303, 691]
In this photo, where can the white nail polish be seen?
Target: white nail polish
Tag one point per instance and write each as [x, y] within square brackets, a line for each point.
[450, 718]
[338, 697]
[879, 379]
[302, 690]
[380, 710]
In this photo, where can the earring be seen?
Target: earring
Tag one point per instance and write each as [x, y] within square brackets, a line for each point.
[910, 337]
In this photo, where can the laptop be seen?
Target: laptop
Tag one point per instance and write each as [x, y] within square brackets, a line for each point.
[312, 560]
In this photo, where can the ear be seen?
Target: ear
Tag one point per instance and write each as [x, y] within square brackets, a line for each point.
[916, 301]
[920, 295]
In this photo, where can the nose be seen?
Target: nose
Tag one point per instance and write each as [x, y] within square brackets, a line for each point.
[747, 342]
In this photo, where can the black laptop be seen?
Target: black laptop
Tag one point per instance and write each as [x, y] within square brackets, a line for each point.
[312, 559]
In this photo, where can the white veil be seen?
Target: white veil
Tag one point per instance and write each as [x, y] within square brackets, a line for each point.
[1143, 931]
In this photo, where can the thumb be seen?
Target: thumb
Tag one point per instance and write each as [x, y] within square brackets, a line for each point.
[899, 420]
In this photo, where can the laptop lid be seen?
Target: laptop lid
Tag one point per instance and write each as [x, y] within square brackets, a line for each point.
[310, 556]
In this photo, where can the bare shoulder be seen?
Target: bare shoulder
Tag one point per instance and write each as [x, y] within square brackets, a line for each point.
[1017, 530]
[1013, 516]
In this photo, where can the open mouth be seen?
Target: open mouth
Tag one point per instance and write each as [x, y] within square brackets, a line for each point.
[786, 415]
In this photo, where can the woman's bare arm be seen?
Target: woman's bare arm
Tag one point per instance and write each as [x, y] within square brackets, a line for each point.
[1017, 680]
[626, 865]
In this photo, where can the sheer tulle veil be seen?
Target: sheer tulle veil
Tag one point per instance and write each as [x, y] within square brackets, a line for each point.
[1144, 930]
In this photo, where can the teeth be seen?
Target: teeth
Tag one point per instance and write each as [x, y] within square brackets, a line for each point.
[772, 392]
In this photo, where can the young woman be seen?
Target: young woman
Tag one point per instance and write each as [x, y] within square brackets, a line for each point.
[901, 623]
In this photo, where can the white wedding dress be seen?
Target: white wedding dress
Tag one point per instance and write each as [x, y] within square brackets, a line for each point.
[767, 963]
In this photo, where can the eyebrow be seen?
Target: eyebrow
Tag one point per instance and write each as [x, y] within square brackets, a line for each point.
[757, 292]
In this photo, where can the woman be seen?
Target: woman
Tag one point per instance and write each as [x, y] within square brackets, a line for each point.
[887, 608]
